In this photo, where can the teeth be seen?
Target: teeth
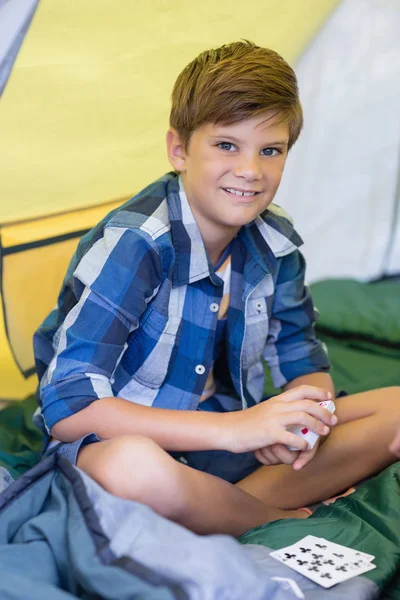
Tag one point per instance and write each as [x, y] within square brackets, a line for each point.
[232, 191]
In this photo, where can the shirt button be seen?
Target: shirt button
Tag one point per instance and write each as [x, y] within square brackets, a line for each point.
[259, 306]
[200, 369]
[183, 460]
[214, 307]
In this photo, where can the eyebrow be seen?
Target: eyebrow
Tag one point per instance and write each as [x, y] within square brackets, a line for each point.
[278, 143]
[234, 139]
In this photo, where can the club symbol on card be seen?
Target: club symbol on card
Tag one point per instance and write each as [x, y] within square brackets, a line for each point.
[329, 562]
[317, 562]
[316, 556]
[355, 565]
[342, 568]
[326, 575]
[304, 550]
[289, 556]
[321, 546]
[302, 562]
[338, 555]
[315, 568]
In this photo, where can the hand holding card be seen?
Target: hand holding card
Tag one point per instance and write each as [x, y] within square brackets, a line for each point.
[310, 436]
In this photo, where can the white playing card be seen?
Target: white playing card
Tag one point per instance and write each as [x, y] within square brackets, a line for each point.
[323, 562]
[306, 434]
[340, 548]
[331, 550]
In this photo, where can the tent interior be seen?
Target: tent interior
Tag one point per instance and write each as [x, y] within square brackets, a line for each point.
[84, 109]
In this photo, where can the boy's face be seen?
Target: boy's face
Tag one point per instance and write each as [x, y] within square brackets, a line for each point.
[231, 172]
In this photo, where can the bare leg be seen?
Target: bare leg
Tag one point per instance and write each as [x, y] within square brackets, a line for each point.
[356, 448]
[136, 468]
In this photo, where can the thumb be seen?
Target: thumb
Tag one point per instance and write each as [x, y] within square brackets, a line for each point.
[303, 459]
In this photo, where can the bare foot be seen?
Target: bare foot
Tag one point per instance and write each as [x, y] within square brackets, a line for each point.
[300, 513]
[277, 513]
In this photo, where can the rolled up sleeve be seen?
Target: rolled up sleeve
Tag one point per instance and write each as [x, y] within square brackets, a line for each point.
[112, 284]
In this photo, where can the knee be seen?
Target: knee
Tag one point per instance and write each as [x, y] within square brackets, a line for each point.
[132, 466]
[128, 450]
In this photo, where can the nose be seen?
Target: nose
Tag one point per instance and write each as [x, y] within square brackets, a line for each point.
[248, 167]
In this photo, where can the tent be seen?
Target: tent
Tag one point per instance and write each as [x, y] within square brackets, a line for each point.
[85, 88]
[342, 183]
[85, 106]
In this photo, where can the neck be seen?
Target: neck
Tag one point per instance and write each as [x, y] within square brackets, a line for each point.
[215, 255]
[216, 248]
[215, 239]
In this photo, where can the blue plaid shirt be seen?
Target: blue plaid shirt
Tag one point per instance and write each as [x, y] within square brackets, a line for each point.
[138, 310]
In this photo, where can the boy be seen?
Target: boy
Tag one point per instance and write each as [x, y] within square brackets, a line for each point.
[150, 368]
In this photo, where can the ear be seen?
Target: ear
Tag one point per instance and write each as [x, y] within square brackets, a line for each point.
[176, 151]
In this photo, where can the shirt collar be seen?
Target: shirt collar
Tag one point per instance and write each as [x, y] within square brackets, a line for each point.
[268, 237]
[191, 259]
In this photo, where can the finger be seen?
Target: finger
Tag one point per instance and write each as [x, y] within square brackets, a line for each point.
[258, 456]
[303, 459]
[314, 409]
[305, 420]
[283, 454]
[290, 439]
[268, 453]
[265, 457]
[311, 392]
[311, 408]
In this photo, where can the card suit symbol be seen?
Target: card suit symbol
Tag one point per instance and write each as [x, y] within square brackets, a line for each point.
[304, 430]
[342, 568]
[326, 575]
[304, 550]
[315, 568]
[321, 546]
[302, 562]
[329, 562]
[288, 556]
[338, 555]
[316, 556]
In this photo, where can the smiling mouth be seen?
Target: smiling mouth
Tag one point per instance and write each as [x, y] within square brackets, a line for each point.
[240, 193]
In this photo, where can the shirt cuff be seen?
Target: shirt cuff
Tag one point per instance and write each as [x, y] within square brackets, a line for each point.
[64, 398]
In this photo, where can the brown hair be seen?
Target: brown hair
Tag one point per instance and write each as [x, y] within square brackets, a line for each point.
[235, 82]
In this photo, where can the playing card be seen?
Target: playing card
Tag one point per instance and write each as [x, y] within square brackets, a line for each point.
[331, 550]
[310, 436]
[322, 550]
[322, 561]
[354, 552]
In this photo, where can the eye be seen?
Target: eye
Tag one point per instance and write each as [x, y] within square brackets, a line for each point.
[271, 152]
[227, 146]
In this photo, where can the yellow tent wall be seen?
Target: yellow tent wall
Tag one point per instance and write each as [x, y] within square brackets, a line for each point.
[84, 114]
